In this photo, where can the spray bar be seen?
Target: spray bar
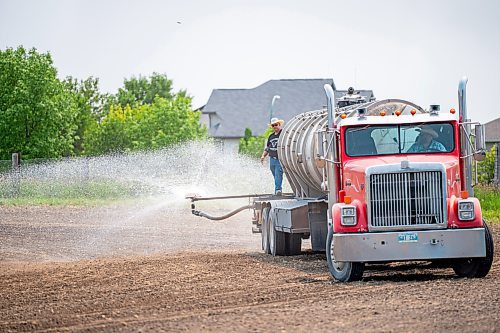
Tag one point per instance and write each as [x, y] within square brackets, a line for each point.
[195, 197]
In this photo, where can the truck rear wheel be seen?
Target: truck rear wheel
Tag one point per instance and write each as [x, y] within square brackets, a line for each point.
[265, 230]
[476, 267]
[277, 243]
[342, 271]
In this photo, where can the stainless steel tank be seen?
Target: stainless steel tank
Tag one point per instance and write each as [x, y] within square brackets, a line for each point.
[297, 151]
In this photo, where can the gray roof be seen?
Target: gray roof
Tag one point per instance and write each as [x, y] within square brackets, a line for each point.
[492, 130]
[233, 110]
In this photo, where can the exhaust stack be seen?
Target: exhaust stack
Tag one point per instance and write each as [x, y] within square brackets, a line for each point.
[465, 147]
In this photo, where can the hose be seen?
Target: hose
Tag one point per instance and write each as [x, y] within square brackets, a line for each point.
[223, 217]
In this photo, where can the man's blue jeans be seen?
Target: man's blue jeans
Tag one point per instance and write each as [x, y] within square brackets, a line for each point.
[277, 171]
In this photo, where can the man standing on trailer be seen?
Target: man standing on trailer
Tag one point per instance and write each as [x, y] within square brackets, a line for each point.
[272, 150]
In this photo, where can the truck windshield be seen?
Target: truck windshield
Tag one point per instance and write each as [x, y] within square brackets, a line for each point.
[399, 139]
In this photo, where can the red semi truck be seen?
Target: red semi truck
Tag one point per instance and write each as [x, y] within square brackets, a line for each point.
[377, 181]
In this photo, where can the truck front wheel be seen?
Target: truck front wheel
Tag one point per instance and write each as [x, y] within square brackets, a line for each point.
[476, 267]
[342, 271]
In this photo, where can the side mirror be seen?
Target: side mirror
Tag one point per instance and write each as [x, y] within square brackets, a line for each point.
[480, 143]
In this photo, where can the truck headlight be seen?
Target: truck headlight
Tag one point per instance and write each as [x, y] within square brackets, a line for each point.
[348, 215]
[466, 210]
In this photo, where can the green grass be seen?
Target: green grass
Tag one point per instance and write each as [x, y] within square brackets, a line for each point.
[490, 202]
[61, 193]
[57, 201]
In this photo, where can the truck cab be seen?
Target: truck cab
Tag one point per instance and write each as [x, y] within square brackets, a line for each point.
[404, 183]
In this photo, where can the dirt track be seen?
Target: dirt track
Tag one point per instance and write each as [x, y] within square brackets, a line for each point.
[58, 274]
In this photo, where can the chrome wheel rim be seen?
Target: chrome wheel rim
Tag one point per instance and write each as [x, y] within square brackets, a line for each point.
[337, 265]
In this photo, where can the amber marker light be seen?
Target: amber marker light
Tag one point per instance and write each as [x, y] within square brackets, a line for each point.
[343, 116]
[347, 199]
[398, 113]
[413, 112]
[464, 194]
[452, 111]
[382, 113]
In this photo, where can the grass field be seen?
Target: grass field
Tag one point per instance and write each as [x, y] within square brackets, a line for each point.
[490, 202]
[59, 193]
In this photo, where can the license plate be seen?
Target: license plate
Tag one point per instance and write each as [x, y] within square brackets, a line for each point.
[408, 237]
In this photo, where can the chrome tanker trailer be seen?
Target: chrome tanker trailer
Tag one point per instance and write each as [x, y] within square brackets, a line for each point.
[377, 181]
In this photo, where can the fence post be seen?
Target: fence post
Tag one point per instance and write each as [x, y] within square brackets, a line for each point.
[16, 172]
[15, 161]
[496, 177]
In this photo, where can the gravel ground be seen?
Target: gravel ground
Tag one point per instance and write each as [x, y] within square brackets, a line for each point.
[151, 268]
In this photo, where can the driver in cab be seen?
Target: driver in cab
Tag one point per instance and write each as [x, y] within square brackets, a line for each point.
[425, 141]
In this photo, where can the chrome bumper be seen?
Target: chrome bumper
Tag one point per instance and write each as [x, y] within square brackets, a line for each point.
[410, 245]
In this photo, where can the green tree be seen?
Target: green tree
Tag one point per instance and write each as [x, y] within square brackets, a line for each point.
[148, 126]
[253, 145]
[90, 107]
[143, 90]
[37, 111]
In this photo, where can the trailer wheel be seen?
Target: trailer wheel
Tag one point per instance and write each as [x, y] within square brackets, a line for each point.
[265, 230]
[477, 267]
[293, 244]
[277, 243]
[342, 271]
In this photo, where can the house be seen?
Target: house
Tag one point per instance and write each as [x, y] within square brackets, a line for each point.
[229, 112]
[492, 133]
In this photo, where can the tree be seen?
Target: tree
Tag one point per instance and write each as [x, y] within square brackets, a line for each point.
[37, 111]
[90, 107]
[147, 126]
[486, 168]
[253, 145]
[143, 90]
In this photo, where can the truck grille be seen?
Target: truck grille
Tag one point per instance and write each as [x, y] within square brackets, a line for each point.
[406, 199]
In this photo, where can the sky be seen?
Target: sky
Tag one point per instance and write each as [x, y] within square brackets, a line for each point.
[412, 50]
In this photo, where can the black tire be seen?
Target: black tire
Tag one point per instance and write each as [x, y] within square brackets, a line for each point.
[293, 244]
[265, 231]
[477, 267]
[277, 243]
[342, 271]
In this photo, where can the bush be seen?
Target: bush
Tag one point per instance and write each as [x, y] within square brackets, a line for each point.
[253, 146]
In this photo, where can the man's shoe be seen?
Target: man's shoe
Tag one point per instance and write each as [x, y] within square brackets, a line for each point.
[278, 192]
